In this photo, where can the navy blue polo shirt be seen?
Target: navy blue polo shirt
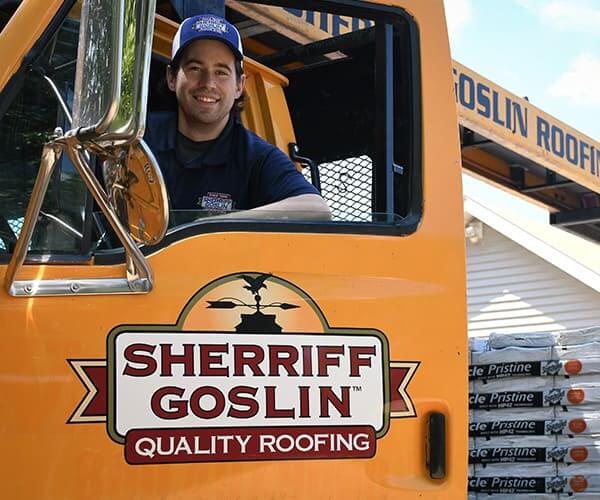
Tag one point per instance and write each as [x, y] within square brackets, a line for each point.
[238, 171]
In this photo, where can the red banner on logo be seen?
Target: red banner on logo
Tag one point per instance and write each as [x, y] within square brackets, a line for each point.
[162, 446]
[93, 374]
[93, 407]
[400, 402]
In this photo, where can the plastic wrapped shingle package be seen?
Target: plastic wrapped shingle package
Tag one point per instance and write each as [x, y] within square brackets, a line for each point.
[534, 416]
[535, 422]
[520, 480]
[536, 449]
[565, 337]
[540, 361]
[543, 339]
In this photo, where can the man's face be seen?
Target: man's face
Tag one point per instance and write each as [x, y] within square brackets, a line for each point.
[206, 85]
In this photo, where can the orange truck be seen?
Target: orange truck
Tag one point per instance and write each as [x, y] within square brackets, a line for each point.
[156, 353]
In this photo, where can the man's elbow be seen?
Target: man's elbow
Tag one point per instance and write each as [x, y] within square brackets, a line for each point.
[319, 210]
[324, 212]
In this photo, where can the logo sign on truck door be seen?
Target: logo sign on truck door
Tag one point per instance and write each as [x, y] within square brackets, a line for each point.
[250, 371]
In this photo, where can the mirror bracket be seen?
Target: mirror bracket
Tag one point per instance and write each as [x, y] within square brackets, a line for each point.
[138, 278]
[108, 118]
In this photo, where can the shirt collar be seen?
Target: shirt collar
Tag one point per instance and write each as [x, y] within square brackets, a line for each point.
[218, 154]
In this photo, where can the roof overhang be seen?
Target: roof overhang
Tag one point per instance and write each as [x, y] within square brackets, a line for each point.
[509, 142]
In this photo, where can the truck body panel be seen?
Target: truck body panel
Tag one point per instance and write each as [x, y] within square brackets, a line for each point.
[406, 294]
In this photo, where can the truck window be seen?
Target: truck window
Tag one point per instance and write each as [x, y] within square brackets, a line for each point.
[29, 118]
[353, 100]
[334, 103]
[363, 137]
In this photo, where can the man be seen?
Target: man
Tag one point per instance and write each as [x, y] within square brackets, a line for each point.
[208, 159]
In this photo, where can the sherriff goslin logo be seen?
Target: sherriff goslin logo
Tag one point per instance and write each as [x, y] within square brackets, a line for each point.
[250, 371]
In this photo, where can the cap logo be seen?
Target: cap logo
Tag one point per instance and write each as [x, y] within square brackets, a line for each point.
[210, 24]
[207, 26]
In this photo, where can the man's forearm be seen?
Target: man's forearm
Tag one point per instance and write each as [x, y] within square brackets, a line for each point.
[302, 207]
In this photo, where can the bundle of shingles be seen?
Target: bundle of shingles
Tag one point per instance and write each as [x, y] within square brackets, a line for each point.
[534, 429]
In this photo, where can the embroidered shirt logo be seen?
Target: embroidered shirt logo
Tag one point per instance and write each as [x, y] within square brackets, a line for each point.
[216, 201]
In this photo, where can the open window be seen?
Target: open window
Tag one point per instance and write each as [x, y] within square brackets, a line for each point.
[352, 119]
[352, 102]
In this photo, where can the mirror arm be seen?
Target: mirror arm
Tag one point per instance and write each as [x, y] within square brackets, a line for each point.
[139, 277]
[139, 274]
[50, 156]
[83, 133]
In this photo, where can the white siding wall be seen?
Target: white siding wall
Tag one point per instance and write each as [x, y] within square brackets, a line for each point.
[510, 290]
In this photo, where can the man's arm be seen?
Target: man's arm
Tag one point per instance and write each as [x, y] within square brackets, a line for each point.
[302, 207]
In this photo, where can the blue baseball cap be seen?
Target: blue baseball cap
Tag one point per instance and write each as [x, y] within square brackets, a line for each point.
[207, 26]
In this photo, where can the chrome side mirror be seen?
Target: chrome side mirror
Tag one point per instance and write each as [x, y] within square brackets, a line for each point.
[109, 114]
[137, 192]
[113, 64]
[109, 110]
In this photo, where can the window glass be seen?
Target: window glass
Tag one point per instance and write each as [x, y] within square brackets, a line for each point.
[29, 120]
[7, 9]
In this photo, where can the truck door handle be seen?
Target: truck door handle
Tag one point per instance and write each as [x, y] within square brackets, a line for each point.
[436, 445]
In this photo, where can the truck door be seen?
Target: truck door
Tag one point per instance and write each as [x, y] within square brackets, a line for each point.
[271, 358]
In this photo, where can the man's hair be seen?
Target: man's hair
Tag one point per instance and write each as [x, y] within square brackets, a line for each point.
[238, 104]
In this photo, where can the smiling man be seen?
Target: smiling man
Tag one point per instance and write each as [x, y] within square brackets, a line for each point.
[208, 159]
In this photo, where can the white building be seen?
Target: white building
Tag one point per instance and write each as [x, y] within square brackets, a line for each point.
[527, 276]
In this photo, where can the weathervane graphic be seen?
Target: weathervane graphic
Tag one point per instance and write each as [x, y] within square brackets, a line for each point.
[258, 321]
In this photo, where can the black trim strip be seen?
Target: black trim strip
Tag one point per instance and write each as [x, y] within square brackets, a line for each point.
[117, 256]
[52, 259]
[416, 202]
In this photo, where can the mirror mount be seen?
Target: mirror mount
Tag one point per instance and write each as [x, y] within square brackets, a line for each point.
[138, 278]
[108, 119]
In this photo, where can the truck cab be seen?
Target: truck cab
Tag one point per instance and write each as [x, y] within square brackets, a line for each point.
[152, 352]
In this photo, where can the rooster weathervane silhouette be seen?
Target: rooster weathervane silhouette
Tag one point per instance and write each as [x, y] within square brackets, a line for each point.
[258, 321]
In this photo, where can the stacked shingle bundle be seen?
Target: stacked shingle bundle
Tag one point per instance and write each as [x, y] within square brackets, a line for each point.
[535, 416]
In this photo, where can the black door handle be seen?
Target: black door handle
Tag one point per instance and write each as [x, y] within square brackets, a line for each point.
[436, 445]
